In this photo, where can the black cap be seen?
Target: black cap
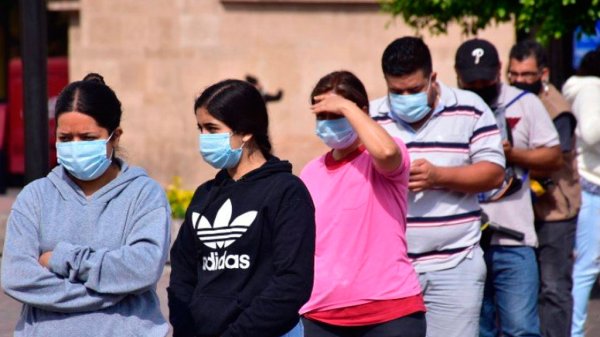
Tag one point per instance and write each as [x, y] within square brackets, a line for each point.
[477, 59]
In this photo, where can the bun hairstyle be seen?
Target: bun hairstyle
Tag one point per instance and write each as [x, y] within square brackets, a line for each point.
[94, 77]
[91, 96]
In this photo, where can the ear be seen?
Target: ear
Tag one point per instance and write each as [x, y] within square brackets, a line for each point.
[433, 76]
[246, 138]
[545, 74]
[116, 137]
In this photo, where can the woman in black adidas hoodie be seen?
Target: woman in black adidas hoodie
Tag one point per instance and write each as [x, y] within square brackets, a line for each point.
[242, 263]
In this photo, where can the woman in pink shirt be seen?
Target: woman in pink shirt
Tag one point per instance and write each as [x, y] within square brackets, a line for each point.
[364, 282]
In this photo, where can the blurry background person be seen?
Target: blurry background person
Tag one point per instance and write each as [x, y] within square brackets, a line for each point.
[583, 92]
[86, 245]
[512, 283]
[556, 208]
[365, 285]
[242, 263]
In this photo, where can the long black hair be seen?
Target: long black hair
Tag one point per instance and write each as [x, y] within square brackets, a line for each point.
[241, 107]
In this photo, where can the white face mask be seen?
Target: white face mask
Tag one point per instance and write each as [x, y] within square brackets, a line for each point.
[85, 160]
[216, 150]
[410, 108]
[336, 133]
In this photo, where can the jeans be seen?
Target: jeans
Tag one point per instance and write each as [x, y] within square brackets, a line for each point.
[555, 258]
[408, 326]
[453, 297]
[587, 256]
[297, 331]
[511, 293]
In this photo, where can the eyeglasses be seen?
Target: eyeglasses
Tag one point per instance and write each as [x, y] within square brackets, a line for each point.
[527, 75]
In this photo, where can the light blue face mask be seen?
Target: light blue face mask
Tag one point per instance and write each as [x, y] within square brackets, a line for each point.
[85, 160]
[409, 108]
[336, 133]
[216, 150]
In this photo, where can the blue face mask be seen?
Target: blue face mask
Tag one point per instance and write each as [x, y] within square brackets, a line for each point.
[216, 150]
[409, 108]
[85, 160]
[336, 133]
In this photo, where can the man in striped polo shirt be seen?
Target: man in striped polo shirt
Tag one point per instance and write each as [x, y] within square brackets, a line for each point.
[456, 151]
[511, 291]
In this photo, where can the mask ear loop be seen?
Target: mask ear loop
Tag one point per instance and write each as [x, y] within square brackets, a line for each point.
[112, 155]
[437, 96]
[429, 84]
[243, 142]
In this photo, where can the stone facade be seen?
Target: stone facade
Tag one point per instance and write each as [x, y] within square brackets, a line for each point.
[158, 55]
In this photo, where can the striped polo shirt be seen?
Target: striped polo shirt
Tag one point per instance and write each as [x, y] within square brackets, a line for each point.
[443, 225]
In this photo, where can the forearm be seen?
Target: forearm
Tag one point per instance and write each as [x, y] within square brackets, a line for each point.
[123, 271]
[380, 145]
[475, 178]
[24, 279]
[267, 314]
[182, 282]
[134, 267]
[180, 316]
[545, 159]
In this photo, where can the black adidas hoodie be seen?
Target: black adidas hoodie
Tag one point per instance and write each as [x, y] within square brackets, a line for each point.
[242, 263]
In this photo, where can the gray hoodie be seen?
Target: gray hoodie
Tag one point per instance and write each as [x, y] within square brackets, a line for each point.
[109, 250]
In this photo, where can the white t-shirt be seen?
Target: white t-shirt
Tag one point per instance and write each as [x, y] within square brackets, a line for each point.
[531, 128]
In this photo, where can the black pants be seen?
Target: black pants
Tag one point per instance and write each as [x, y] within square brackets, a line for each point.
[409, 326]
[555, 260]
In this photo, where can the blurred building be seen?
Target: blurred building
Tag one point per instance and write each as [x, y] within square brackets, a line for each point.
[158, 55]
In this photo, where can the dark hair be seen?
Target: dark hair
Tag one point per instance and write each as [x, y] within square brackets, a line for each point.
[91, 96]
[590, 64]
[406, 55]
[241, 107]
[345, 84]
[529, 48]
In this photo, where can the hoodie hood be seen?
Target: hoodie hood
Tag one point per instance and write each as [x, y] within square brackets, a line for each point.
[69, 190]
[273, 165]
[575, 83]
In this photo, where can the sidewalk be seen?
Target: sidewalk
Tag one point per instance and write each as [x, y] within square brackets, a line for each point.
[10, 309]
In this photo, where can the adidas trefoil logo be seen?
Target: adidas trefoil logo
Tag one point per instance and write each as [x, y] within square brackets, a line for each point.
[222, 233]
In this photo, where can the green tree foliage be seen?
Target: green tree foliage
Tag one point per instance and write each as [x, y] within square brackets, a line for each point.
[548, 19]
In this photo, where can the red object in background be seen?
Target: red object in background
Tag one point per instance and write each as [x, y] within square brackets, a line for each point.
[3, 115]
[58, 78]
